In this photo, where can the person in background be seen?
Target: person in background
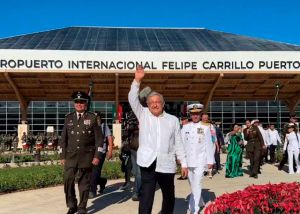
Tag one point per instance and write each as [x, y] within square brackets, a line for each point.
[264, 152]
[106, 153]
[293, 119]
[205, 121]
[292, 146]
[235, 153]
[184, 119]
[220, 142]
[132, 128]
[159, 145]
[126, 164]
[15, 142]
[273, 140]
[24, 140]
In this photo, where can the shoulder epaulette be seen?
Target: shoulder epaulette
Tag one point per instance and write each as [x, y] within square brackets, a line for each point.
[67, 115]
[91, 113]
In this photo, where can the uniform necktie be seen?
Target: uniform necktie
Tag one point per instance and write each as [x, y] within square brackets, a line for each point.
[79, 117]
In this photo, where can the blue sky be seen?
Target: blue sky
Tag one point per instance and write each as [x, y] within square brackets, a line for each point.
[275, 20]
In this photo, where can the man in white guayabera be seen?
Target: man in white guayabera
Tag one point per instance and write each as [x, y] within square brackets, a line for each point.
[159, 144]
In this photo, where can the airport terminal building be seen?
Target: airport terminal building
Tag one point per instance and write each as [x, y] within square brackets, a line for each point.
[235, 77]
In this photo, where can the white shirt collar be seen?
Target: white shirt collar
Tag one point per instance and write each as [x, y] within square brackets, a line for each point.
[77, 114]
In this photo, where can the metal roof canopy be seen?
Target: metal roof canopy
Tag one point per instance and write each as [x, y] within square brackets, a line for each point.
[141, 39]
[176, 85]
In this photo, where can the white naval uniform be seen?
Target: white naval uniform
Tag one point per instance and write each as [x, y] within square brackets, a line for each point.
[197, 144]
[292, 144]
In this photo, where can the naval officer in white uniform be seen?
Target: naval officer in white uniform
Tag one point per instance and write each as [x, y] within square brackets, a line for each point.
[197, 142]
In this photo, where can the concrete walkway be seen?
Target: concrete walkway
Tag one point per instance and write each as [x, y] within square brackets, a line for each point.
[113, 201]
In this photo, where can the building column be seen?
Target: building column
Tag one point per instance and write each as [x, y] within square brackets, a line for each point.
[21, 99]
[212, 90]
[117, 96]
[117, 126]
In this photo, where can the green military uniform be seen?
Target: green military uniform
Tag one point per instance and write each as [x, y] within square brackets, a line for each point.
[254, 148]
[81, 141]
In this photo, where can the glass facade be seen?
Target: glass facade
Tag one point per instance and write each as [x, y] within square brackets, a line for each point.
[41, 114]
[45, 113]
[230, 112]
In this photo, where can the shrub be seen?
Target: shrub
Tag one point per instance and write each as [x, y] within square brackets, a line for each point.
[269, 198]
[29, 177]
[22, 178]
[112, 170]
[20, 158]
[279, 155]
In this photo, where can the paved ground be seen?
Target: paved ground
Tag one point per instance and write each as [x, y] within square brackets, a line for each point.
[51, 200]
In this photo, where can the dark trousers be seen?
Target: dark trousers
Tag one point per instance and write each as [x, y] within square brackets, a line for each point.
[255, 158]
[96, 175]
[218, 160]
[84, 178]
[166, 183]
[263, 156]
[272, 150]
[284, 160]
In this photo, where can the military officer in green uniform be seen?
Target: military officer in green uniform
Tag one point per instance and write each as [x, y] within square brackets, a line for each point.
[255, 146]
[80, 147]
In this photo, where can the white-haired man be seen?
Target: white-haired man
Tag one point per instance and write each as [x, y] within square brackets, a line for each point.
[159, 143]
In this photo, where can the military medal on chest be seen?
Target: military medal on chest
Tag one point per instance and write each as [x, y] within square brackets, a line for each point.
[70, 123]
[87, 122]
[200, 131]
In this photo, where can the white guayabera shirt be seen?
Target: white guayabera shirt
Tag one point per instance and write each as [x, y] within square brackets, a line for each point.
[159, 137]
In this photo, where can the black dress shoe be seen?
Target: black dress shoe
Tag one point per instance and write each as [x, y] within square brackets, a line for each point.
[102, 185]
[253, 176]
[82, 211]
[92, 195]
[72, 210]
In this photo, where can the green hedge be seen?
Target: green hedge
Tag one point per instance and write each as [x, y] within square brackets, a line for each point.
[112, 170]
[19, 158]
[23, 178]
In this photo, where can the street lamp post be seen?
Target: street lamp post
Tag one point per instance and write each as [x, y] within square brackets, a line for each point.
[277, 86]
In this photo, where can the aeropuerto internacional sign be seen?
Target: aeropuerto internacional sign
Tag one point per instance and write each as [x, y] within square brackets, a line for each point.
[126, 61]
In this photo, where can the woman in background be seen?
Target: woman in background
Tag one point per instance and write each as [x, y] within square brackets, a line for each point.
[292, 145]
[235, 153]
